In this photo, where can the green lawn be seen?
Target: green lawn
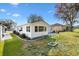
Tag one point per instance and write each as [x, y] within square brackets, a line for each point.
[17, 47]
[68, 45]
[12, 47]
[1, 48]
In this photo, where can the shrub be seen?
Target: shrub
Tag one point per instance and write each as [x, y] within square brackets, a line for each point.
[14, 32]
[23, 36]
[17, 33]
[28, 38]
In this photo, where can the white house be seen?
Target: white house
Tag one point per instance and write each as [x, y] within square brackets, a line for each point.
[35, 29]
[2, 31]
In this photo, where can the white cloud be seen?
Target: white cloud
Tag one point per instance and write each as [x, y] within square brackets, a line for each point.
[2, 10]
[15, 14]
[14, 4]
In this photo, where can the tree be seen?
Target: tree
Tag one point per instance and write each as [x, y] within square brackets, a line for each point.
[10, 24]
[34, 18]
[68, 12]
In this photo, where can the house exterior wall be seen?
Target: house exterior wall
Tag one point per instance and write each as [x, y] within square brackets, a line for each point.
[38, 34]
[32, 33]
[28, 34]
[16, 29]
[0, 32]
[57, 28]
[25, 32]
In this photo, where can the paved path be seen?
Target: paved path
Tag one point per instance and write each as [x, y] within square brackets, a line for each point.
[51, 34]
[6, 36]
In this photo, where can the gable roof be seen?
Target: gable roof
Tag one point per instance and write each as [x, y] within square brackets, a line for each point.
[31, 23]
[57, 24]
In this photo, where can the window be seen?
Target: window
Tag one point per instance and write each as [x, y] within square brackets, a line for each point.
[20, 29]
[40, 28]
[36, 29]
[28, 28]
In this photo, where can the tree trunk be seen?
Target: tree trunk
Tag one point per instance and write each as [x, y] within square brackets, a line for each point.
[67, 28]
[71, 27]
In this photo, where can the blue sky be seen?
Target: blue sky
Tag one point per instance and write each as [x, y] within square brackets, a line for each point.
[20, 12]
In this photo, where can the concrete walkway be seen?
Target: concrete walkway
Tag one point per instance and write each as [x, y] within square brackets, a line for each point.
[6, 36]
[51, 34]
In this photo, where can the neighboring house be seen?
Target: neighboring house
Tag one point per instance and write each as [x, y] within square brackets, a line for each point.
[57, 27]
[2, 31]
[76, 27]
[35, 29]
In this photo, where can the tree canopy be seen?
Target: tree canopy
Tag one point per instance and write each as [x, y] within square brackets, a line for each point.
[10, 24]
[34, 18]
[68, 12]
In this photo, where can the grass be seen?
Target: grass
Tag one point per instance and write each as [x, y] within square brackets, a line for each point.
[1, 48]
[36, 48]
[76, 30]
[68, 45]
[17, 47]
[12, 47]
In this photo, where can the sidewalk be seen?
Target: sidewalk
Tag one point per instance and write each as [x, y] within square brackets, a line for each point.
[6, 36]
